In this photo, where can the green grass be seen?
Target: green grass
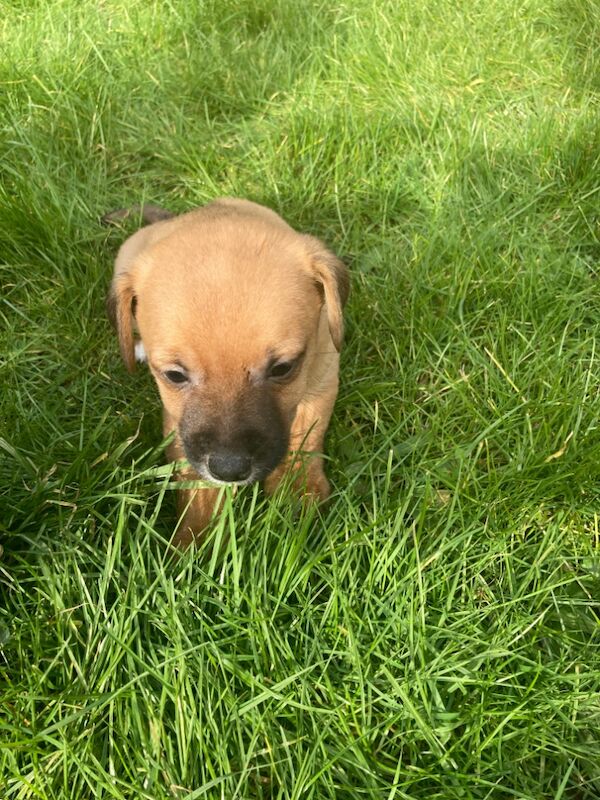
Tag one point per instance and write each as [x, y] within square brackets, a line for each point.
[435, 631]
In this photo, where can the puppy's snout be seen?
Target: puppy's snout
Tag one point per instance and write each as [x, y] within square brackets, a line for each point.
[231, 467]
[242, 445]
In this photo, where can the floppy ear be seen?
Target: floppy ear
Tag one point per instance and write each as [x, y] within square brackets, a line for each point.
[120, 307]
[332, 276]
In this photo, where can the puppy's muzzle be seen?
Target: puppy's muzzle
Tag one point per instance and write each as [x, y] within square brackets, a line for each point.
[245, 459]
[229, 462]
[238, 443]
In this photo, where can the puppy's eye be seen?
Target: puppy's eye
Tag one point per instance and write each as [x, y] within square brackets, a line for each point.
[281, 370]
[175, 376]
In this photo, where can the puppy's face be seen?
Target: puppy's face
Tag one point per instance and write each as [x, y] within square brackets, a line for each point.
[237, 330]
[231, 358]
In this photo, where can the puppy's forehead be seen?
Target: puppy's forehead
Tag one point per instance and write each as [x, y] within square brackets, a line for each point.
[244, 293]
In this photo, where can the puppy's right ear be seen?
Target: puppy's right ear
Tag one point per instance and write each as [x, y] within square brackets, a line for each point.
[332, 278]
[120, 307]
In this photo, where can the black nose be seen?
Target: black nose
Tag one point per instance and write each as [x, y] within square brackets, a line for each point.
[230, 467]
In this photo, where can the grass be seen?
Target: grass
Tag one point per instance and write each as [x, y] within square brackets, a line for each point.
[435, 631]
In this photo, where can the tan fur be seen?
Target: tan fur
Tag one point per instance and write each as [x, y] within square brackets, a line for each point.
[221, 290]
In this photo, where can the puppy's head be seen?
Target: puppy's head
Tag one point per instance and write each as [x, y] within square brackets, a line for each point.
[240, 320]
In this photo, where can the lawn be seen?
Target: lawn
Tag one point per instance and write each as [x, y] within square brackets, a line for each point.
[434, 631]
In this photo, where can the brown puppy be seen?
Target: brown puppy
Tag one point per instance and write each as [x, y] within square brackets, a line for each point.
[240, 318]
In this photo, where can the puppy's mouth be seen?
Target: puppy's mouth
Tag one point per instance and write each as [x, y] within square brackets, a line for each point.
[230, 468]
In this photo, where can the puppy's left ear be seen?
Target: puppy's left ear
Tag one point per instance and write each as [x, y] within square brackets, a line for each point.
[120, 307]
[332, 276]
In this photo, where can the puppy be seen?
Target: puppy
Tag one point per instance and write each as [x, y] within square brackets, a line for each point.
[240, 320]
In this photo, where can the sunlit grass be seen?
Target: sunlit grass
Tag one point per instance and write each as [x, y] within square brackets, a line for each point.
[434, 631]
